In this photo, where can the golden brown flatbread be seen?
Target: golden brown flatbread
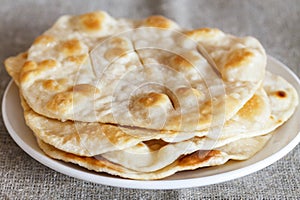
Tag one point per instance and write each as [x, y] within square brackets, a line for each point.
[147, 73]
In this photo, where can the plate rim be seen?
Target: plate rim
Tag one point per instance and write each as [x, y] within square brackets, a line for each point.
[152, 184]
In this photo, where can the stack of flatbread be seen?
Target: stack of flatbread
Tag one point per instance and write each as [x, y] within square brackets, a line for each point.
[144, 99]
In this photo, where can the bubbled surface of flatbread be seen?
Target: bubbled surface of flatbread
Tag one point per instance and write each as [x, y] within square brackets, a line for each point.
[261, 114]
[82, 138]
[77, 71]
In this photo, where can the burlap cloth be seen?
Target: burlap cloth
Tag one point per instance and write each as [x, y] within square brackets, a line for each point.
[275, 23]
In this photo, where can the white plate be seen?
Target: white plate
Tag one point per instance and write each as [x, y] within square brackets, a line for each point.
[286, 138]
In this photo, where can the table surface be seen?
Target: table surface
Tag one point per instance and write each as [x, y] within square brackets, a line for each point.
[274, 22]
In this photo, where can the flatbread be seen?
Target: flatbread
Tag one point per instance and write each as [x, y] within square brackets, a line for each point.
[68, 77]
[82, 138]
[260, 115]
[243, 149]
[91, 139]
[105, 93]
[14, 65]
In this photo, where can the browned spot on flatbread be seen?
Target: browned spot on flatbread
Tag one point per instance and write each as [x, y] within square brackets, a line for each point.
[87, 162]
[202, 33]
[158, 21]
[179, 63]
[47, 64]
[25, 55]
[71, 47]
[114, 53]
[91, 21]
[98, 162]
[29, 65]
[114, 134]
[238, 58]
[117, 42]
[53, 85]
[61, 102]
[77, 59]
[281, 94]
[184, 62]
[32, 69]
[155, 145]
[153, 99]
[67, 138]
[206, 108]
[44, 40]
[197, 157]
[251, 108]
